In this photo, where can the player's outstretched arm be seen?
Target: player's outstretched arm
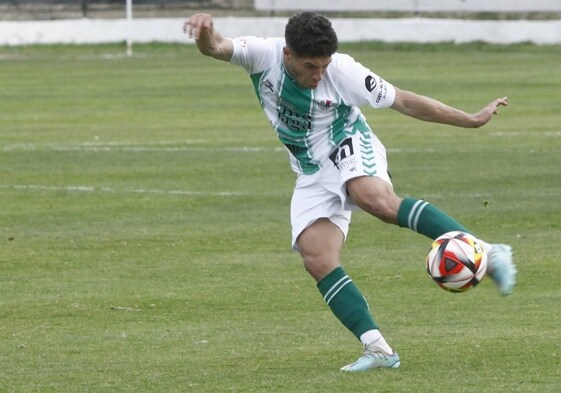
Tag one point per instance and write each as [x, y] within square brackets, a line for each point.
[429, 109]
[210, 42]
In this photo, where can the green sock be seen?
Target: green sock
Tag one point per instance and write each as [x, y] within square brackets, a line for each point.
[426, 219]
[346, 302]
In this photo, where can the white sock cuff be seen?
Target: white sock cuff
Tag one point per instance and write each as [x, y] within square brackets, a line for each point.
[374, 336]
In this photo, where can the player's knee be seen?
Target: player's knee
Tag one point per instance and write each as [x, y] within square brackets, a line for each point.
[320, 261]
[320, 247]
[320, 265]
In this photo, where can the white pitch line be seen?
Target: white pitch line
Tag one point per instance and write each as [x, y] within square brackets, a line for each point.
[127, 147]
[92, 189]
[158, 147]
[187, 145]
[526, 133]
[99, 148]
[190, 145]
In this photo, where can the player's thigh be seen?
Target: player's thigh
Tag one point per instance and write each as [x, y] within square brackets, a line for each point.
[375, 196]
[320, 245]
[362, 163]
[318, 196]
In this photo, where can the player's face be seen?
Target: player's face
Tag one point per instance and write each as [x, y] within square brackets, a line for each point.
[306, 71]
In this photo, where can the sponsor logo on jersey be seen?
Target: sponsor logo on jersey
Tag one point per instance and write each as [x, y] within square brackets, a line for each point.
[370, 83]
[293, 119]
[242, 41]
[383, 91]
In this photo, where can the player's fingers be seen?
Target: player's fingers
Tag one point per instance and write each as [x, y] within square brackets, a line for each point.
[199, 23]
[192, 25]
[188, 26]
[499, 102]
[206, 23]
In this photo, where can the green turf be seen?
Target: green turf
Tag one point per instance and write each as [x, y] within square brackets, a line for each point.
[144, 230]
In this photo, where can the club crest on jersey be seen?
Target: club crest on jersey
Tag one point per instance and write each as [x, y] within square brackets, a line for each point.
[325, 104]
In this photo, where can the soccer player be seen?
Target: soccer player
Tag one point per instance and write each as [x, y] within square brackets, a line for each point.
[311, 94]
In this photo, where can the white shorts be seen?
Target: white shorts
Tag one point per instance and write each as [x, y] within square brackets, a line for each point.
[324, 194]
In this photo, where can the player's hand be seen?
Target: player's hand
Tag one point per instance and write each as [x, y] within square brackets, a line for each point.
[494, 105]
[198, 23]
[492, 108]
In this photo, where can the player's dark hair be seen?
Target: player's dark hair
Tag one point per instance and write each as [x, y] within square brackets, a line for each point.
[309, 34]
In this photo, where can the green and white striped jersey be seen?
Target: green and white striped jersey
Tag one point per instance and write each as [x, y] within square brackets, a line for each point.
[310, 122]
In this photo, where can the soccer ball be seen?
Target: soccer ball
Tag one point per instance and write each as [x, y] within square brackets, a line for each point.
[457, 261]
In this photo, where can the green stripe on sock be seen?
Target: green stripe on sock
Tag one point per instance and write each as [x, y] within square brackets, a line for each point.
[346, 302]
[426, 219]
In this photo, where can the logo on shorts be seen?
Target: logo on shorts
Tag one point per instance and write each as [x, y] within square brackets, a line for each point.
[343, 156]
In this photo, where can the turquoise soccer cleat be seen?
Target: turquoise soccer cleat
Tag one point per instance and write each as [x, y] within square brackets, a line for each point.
[373, 357]
[501, 269]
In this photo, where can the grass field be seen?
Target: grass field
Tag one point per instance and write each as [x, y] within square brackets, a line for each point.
[145, 241]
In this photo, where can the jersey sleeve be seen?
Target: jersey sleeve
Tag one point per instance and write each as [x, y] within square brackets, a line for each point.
[358, 85]
[256, 54]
